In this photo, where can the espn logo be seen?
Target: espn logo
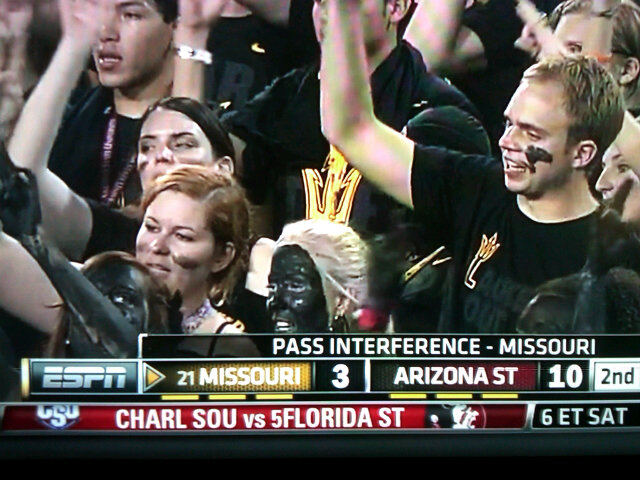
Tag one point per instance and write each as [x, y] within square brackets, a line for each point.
[82, 377]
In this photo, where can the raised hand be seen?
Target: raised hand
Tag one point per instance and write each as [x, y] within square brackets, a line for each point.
[536, 38]
[200, 14]
[16, 15]
[81, 20]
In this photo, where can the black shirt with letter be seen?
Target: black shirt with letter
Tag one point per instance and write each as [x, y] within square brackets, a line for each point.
[499, 254]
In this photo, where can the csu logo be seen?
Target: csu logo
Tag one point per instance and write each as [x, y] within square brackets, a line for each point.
[60, 376]
[58, 417]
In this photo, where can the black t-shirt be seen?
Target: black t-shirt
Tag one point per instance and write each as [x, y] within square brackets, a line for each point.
[248, 53]
[498, 27]
[499, 254]
[286, 151]
[302, 32]
[111, 229]
[76, 156]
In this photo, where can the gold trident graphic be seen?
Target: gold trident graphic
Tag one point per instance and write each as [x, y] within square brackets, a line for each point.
[488, 247]
[331, 198]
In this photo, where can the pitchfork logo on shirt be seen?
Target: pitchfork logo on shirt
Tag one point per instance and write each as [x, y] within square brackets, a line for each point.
[330, 192]
[488, 247]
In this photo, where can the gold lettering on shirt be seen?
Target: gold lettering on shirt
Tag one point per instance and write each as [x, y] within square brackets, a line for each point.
[488, 247]
[330, 196]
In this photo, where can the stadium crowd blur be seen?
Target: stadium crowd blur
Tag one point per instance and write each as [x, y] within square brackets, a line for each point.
[230, 166]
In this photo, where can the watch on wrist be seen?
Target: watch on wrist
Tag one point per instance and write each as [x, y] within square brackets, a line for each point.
[186, 52]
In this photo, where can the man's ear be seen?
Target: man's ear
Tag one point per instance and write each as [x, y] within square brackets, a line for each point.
[225, 165]
[224, 258]
[630, 71]
[584, 153]
[397, 10]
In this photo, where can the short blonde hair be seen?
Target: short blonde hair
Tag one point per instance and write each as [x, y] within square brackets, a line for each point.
[340, 256]
[592, 98]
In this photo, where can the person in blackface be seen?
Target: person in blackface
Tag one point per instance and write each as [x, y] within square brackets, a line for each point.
[318, 278]
[193, 240]
[106, 304]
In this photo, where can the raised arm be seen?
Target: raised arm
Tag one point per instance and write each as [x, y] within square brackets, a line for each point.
[435, 29]
[196, 19]
[89, 309]
[66, 217]
[102, 322]
[25, 291]
[14, 22]
[273, 11]
[382, 155]
[540, 40]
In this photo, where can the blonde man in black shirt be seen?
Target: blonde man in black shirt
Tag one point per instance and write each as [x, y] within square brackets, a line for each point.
[509, 228]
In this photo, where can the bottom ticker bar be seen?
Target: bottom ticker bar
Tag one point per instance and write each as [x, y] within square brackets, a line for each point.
[271, 417]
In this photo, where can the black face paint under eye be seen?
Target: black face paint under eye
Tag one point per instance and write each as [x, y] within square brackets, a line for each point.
[185, 262]
[125, 286]
[535, 155]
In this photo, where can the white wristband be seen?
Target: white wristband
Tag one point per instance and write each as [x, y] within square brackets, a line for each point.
[188, 53]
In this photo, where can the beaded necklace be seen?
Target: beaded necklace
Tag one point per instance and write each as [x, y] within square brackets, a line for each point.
[108, 194]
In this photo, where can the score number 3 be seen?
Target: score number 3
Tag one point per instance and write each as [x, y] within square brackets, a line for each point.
[342, 376]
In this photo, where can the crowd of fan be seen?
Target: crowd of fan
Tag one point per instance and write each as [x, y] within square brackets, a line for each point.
[229, 166]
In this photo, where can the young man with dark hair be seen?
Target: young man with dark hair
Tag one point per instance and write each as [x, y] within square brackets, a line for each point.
[511, 228]
[93, 152]
[286, 158]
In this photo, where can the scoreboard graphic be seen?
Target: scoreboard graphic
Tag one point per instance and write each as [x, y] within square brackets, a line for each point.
[338, 383]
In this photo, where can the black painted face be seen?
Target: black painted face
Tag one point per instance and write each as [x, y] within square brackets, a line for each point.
[126, 287]
[296, 302]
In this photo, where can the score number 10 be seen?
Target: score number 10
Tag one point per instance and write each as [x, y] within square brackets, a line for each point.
[563, 375]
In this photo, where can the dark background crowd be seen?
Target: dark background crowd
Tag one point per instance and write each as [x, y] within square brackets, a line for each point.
[229, 166]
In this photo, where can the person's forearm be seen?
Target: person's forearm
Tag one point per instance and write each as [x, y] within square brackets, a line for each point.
[188, 78]
[346, 91]
[434, 29]
[25, 291]
[63, 212]
[66, 217]
[40, 119]
[99, 318]
[382, 155]
[273, 11]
